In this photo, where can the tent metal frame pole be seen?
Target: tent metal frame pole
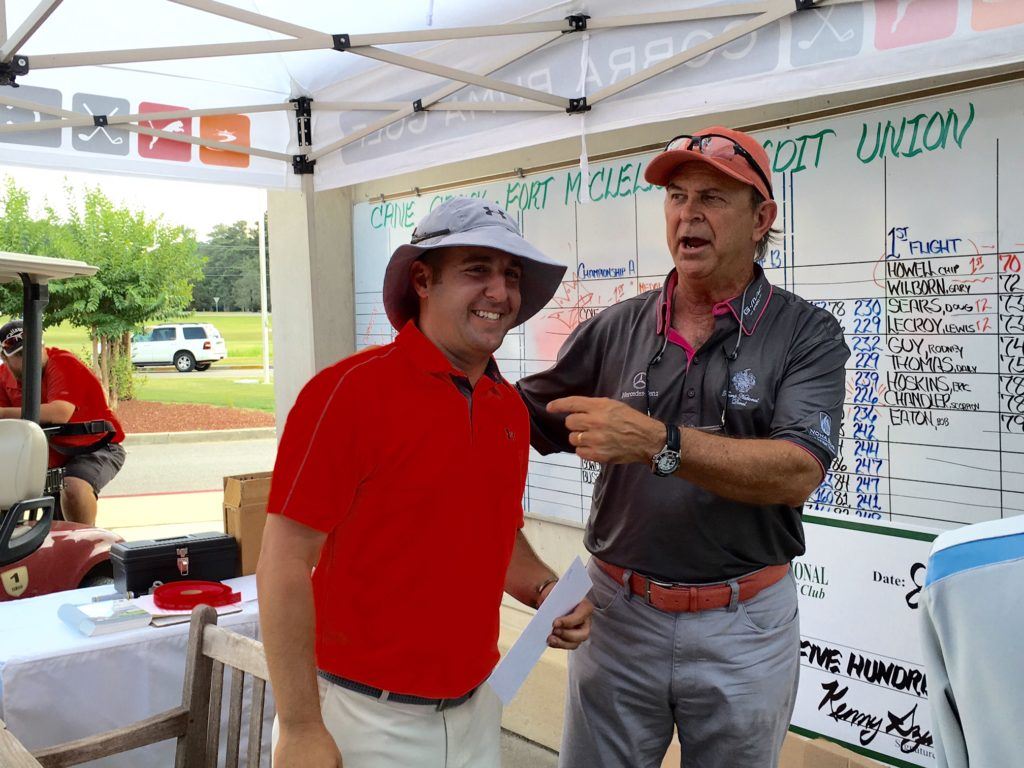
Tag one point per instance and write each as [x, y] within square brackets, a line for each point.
[255, 151]
[264, 317]
[169, 53]
[31, 106]
[451, 73]
[45, 109]
[777, 10]
[444, 106]
[460, 33]
[490, 106]
[765, 12]
[373, 127]
[249, 17]
[527, 28]
[357, 106]
[432, 98]
[308, 39]
[88, 120]
[28, 28]
[692, 14]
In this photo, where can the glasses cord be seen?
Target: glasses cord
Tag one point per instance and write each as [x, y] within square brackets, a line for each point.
[730, 357]
[647, 374]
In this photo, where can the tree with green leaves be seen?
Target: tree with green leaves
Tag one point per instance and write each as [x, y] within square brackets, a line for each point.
[146, 272]
[231, 272]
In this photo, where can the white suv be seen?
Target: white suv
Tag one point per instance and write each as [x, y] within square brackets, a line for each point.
[186, 346]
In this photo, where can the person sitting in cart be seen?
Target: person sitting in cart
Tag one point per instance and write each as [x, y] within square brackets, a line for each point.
[70, 392]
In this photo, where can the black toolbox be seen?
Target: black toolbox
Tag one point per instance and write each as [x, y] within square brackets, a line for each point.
[203, 556]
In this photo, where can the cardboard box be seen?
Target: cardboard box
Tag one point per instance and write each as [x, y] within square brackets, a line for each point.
[829, 754]
[801, 752]
[798, 752]
[244, 490]
[245, 514]
[794, 751]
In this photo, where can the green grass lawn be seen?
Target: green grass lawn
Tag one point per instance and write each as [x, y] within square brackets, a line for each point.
[241, 331]
[194, 388]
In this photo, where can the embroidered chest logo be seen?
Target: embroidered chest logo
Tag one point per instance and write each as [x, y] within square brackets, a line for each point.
[639, 387]
[742, 385]
[510, 434]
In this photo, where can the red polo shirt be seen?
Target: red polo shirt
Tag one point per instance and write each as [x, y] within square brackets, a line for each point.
[418, 482]
[67, 378]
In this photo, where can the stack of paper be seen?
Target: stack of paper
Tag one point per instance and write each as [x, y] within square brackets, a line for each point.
[103, 617]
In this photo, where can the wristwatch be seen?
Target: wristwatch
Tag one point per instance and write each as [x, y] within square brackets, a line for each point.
[666, 461]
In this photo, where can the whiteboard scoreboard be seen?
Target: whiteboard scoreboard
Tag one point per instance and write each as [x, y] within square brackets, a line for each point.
[907, 224]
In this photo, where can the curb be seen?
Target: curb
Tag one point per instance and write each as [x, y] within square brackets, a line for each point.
[171, 369]
[206, 436]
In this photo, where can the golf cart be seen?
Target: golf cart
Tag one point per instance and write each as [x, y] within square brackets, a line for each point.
[39, 554]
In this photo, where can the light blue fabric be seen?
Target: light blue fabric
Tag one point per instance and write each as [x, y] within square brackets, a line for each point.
[974, 554]
[972, 613]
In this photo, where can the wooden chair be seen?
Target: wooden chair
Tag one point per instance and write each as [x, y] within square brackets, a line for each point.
[195, 724]
[12, 753]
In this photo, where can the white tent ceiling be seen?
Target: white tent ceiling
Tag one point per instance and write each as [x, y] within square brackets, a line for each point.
[216, 72]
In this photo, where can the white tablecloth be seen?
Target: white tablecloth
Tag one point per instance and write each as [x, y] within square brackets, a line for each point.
[57, 685]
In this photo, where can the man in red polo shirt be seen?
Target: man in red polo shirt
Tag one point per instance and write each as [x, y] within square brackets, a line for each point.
[400, 477]
[70, 393]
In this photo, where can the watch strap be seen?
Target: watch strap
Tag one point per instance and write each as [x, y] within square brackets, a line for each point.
[673, 438]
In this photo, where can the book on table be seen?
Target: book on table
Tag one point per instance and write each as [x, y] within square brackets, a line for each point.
[104, 617]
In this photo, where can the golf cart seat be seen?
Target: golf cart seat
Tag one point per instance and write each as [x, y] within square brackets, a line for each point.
[25, 513]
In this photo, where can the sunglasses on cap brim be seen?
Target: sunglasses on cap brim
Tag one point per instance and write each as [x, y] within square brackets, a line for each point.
[12, 344]
[719, 146]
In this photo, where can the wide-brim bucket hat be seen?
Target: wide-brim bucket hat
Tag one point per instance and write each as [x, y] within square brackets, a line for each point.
[465, 221]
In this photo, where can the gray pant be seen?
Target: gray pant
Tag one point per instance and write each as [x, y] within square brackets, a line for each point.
[726, 679]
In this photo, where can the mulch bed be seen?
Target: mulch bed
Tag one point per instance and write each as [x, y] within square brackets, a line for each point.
[144, 416]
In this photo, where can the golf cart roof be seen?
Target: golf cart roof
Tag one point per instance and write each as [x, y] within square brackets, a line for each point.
[41, 269]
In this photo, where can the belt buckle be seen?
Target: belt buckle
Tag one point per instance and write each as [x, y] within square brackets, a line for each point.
[648, 581]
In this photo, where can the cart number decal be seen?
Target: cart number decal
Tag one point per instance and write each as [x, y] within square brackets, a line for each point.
[15, 581]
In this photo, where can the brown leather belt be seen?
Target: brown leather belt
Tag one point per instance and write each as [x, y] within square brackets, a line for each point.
[678, 598]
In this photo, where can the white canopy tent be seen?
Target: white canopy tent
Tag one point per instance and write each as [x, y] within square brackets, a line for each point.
[327, 103]
[318, 95]
[131, 86]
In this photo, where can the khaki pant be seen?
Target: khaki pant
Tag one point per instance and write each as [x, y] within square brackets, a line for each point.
[381, 734]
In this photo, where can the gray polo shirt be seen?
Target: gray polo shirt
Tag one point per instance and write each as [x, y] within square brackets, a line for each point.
[787, 382]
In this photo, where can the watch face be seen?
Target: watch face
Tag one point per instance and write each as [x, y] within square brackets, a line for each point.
[666, 462]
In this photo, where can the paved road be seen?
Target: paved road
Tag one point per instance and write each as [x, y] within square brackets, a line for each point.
[189, 466]
[214, 372]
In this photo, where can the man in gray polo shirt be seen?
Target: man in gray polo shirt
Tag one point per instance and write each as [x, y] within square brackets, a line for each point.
[714, 408]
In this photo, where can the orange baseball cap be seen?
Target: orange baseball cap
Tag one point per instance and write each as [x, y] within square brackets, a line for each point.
[734, 153]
